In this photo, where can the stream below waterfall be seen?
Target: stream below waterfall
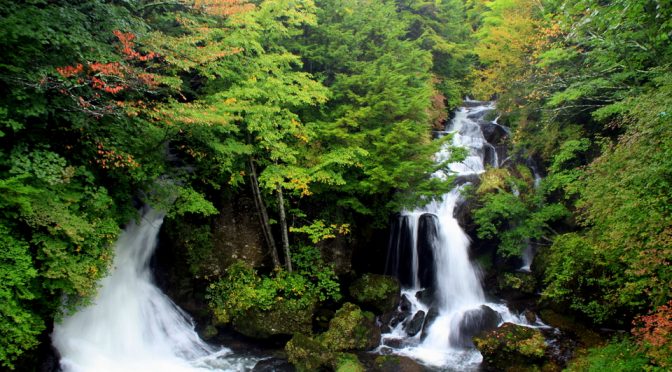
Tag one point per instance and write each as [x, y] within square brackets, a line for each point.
[443, 303]
[132, 326]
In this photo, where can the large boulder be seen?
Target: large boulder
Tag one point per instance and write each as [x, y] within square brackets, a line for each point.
[351, 329]
[380, 293]
[282, 319]
[472, 323]
[511, 347]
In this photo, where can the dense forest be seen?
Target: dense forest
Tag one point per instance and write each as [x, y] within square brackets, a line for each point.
[322, 112]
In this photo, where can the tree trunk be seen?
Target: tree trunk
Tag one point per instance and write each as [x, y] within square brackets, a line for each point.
[283, 227]
[263, 215]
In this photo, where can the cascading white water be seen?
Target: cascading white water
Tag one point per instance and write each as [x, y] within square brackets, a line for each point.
[132, 326]
[458, 293]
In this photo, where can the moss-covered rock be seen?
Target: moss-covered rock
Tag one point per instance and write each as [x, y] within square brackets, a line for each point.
[511, 348]
[347, 362]
[283, 319]
[380, 293]
[307, 354]
[351, 329]
[395, 363]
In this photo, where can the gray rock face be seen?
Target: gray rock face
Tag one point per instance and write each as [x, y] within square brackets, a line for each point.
[472, 323]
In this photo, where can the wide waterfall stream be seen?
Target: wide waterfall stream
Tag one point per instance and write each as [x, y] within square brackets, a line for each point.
[443, 302]
[134, 327]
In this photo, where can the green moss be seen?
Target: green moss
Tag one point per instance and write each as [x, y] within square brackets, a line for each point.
[283, 318]
[511, 345]
[347, 362]
[351, 329]
[379, 292]
[306, 353]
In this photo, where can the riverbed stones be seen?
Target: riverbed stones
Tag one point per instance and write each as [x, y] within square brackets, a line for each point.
[379, 293]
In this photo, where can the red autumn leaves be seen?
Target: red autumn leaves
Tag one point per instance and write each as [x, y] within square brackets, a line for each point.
[111, 77]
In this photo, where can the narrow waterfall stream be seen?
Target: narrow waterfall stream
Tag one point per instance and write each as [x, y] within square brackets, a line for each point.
[132, 326]
[443, 303]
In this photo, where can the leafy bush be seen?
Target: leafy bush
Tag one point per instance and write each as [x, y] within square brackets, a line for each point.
[242, 289]
[617, 355]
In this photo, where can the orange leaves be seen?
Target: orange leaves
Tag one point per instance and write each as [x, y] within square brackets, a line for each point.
[128, 47]
[654, 331]
[111, 159]
[69, 71]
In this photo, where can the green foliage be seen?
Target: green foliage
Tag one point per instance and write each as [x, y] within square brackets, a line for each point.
[351, 329]
[617, 355]
[512, 210]
[381, 292]
[242, 289]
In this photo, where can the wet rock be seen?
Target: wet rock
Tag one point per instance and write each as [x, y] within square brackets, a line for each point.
[472, 103]
[480, 114]
[426, 296]
[405, 304]
[490, 156]
[208, 332]
[393, 342]
[474, 322]
[428, 231]
[395, 363]
[431, 316]
[414, 326]
[530, 316]
[511, 347]
[493, 133]
[380, 293]
[273, 365]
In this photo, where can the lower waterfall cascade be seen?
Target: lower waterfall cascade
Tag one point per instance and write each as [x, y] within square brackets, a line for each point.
[429, 253]
[132, 326]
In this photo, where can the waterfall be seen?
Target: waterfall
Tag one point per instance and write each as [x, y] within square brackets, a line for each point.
[133, 326]
[458, 308]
